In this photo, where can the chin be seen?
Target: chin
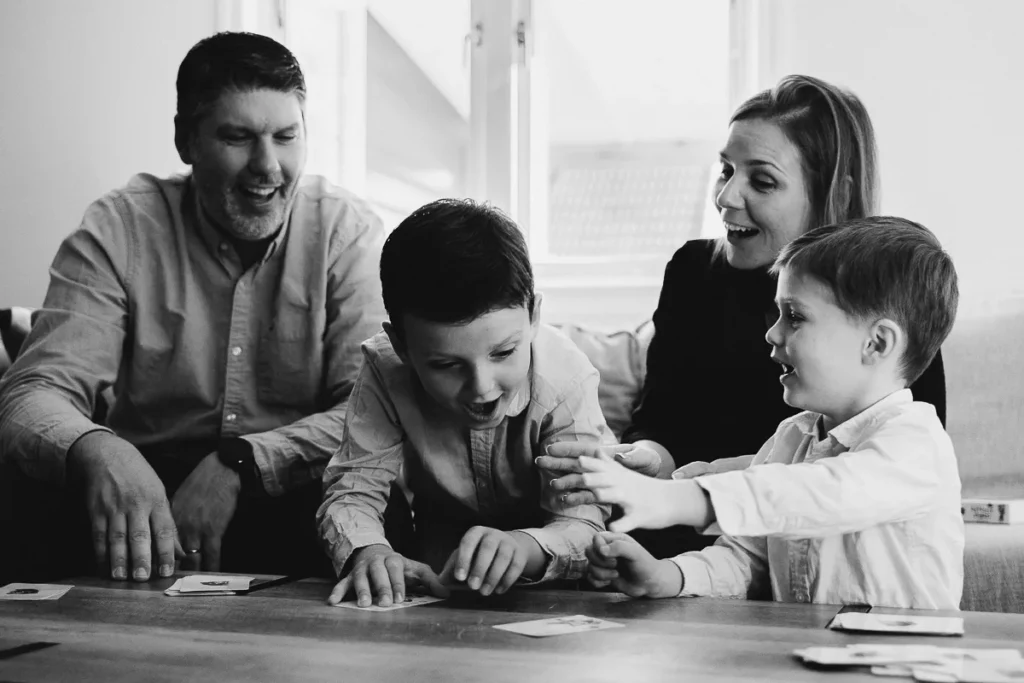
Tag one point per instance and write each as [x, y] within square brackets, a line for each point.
[745, 259]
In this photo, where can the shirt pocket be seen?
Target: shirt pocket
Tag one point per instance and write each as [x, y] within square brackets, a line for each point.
[289, 365]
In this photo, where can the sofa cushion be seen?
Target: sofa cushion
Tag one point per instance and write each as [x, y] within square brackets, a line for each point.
[621, 359]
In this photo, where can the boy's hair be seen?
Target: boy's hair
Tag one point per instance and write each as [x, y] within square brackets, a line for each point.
[232, 61]
[888, 267]
[452, 261]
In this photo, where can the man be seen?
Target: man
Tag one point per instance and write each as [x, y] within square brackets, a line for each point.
[226, 309]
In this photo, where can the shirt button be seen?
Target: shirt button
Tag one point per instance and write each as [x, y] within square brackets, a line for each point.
[237, 351]
[230, 417]
[223, 246]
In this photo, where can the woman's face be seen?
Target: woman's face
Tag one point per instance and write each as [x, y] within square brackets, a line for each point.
[760, 194]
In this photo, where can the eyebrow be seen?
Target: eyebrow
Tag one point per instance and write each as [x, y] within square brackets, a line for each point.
[756, 162]
[242, 128]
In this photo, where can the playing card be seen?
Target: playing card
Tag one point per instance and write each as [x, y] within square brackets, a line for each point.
[891, 623]
[411, 600]
[973, 671]
[556, 626]
[33, 591]
[866, 654]
[175, 591]
[205, 583]
[950, 660]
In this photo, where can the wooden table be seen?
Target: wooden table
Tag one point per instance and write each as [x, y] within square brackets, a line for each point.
[115, 631]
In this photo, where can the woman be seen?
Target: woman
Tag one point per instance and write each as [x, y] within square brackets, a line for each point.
[798, 156]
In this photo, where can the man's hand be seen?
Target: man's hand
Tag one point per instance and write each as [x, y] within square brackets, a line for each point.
[203, 506]
[646, 503]
[379, 571]
[490, 560]
[617, 559]
[127, 506]
[562, 461]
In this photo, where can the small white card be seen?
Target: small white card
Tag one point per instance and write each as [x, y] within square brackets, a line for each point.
[205, 583]
[411, 600]
[33, 591]
[557, 626]
[898, 623]
[972, 672]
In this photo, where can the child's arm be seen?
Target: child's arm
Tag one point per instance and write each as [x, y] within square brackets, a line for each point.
[897, 473]
[357, 483]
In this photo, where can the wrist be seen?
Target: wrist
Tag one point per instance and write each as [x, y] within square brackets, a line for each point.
[534, 555]
[670, 579]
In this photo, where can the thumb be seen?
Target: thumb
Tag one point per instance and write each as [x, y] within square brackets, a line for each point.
[624, 524]
[446, 577]
[340, 591]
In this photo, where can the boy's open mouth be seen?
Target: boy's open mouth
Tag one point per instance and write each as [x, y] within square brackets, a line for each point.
[787, 371]
[482, 412]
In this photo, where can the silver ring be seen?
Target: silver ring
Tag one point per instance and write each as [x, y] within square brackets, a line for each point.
[193, 551]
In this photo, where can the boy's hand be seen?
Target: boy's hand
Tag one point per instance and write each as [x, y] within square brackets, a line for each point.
[646, 502]
[488, 560]
[379, 571]
[562, 461]
[617, 559]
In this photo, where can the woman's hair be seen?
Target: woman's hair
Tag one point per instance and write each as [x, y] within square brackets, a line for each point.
[833, 132]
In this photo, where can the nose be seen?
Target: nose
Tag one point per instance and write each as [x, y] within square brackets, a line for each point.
[728, 194]
[263, 161]
[773, 336]
[481, 382]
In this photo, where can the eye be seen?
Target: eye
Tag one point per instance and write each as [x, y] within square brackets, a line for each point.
[726, 171]
[286, 137]
[762, 183]
[442, 365]
[793, 317]
[502, 355]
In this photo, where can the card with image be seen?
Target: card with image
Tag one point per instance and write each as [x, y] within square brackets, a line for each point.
[950, 660]
[897, 623]
[557, 626]
[33, 591]
[205, 583]
[175, 591]
[411, 600]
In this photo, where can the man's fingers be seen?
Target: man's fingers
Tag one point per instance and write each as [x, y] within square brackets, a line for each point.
[573, 449]
[568, 500]
[380, 583]
[497, 567]
[597, 465]
[569, 482]
[191, 545]
[211, 553]
[117, 545]
[340, 589]
[447, 575]
[395, 566]
[165, 539]
[486, 549]
[99, 543]
[554, 465]
[512, 574]
[140, 543]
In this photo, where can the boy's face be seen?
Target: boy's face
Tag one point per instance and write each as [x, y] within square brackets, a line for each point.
[821, 350]
[474, 370]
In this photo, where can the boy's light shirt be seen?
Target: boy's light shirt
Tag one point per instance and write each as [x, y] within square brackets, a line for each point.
[461, 477]
[870, 514]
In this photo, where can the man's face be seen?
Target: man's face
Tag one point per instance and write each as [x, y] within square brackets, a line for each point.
[247, 156]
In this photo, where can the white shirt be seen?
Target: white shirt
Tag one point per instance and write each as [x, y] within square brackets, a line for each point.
[869, 514]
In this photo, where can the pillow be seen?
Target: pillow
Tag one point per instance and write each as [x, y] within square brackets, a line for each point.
[621, 359]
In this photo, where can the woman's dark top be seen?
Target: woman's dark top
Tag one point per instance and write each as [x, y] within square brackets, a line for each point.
[711, 390]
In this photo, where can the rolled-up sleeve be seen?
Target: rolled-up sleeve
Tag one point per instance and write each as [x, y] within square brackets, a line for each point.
[567, 533]
[358, 477]
[74, 350]
[296, 454]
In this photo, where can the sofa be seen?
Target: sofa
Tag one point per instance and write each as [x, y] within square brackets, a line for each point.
[984, 362]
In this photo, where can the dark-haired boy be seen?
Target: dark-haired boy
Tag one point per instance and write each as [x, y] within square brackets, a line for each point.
[855, 500]
[462, 390]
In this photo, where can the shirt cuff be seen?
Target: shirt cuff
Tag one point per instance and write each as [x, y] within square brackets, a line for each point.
[696, 577]
[728, 515]
[340, 548]
[564, 562]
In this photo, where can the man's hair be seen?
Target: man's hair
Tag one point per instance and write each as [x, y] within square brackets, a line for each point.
[233, 61]
[452, 261]
[884, 267]
[833, 132]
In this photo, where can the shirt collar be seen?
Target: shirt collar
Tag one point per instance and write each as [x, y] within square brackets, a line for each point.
[216, 241]
[519, 402]
[849, 432]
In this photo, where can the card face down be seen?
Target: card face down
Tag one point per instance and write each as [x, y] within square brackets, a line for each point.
[557, 626]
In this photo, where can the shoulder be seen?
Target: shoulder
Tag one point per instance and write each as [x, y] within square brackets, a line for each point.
[143, 195]
[559, 368]
[911, 419]
[339, 214]
[695, 254]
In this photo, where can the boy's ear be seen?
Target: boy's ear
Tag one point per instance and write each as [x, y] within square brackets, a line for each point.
[535, 312]
[885, 341]
[182, 137]
[397, 343]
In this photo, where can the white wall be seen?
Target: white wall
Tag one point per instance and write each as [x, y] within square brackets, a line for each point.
[943, 81]
[87, 101]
